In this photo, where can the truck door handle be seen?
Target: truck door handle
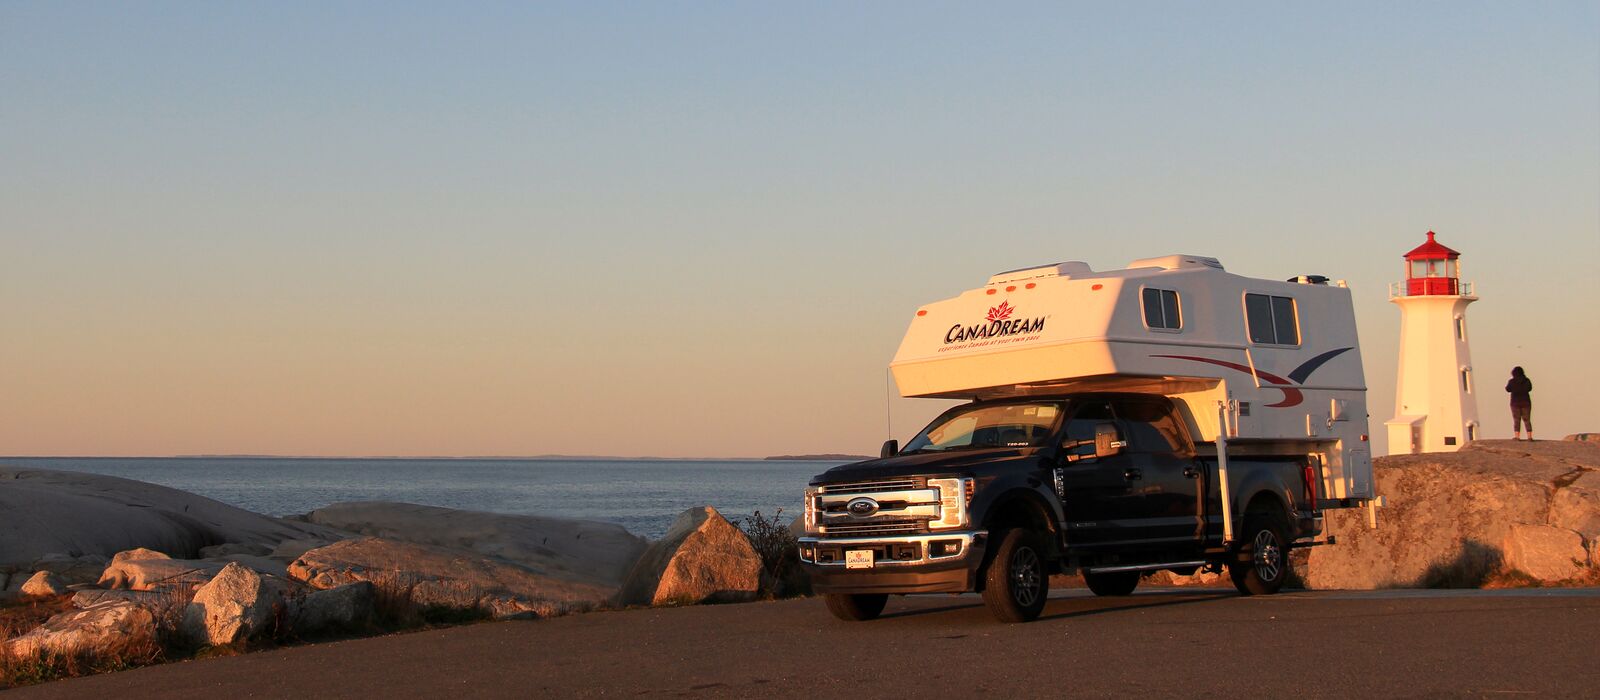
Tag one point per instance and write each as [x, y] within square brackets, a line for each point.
[1191, 472]
[1133, 475]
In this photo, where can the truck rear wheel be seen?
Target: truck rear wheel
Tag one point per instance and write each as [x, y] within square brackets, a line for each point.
[1016, 581]
[856, 607]
[1262, 563]
[1112, 583]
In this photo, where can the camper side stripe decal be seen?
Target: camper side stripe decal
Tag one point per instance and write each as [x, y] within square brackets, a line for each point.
[1291, 395]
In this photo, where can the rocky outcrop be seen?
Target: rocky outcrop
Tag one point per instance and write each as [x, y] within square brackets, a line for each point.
[75, 514]
[702, 558]
[42, 584]
[587, 551]
[1450, 515]
[235, 605]
[344, 607]
[227, 549]
[158, 574]
[1544, 552]
[93, 628]
[430, 576]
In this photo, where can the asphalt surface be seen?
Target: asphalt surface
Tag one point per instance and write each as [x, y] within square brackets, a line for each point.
[1167, 643]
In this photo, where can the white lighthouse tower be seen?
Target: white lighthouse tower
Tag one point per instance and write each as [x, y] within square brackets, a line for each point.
[1435, 407]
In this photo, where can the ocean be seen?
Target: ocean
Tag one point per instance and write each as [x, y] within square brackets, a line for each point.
[643, 496]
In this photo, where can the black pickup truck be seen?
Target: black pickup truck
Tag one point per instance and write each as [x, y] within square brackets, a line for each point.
[995, 496]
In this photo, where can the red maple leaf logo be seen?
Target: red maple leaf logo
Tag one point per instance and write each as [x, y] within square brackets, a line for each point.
[1001, 312]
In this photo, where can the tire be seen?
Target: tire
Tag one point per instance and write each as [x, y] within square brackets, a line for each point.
[1016, 581]
[856, 607]
[1262, 563]
[1116, 583]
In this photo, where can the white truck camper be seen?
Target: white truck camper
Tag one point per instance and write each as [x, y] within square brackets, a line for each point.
[1261, 366]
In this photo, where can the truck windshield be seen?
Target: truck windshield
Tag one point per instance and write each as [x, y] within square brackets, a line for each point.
[980, 426]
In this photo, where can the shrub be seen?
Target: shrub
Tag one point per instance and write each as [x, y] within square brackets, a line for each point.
[780, 554]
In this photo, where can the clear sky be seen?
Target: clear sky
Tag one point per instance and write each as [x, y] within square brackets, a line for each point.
[700, 229]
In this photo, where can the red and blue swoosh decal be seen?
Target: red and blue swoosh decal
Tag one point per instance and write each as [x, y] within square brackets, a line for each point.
[1291, 395]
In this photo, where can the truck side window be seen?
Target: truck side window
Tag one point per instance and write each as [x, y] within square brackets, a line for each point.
[1079, 435]
[1150, 427]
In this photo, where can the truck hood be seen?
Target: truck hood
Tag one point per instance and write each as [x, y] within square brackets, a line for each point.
[929, 463]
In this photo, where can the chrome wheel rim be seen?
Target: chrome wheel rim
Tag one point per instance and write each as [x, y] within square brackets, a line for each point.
[1268, 556]
[1025, 576]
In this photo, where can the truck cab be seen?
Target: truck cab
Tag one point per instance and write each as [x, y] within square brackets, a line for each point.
[1109, 474]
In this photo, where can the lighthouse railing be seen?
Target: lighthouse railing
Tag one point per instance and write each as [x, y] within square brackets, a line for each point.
[1403, 289]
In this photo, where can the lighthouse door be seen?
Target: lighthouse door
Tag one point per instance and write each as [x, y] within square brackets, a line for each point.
[1416, 439]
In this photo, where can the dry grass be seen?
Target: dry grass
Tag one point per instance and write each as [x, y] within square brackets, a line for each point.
[16, 619]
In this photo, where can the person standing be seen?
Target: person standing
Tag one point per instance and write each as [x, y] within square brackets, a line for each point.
[1521, 403]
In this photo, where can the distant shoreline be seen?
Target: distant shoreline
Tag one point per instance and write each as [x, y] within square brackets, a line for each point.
[533, 458]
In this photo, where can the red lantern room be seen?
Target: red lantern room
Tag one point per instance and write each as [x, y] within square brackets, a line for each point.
[1431, 269]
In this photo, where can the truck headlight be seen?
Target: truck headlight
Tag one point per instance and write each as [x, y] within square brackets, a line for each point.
[809, 510]
[952, 503]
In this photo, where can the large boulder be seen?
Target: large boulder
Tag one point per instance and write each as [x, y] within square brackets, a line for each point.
[91, 514]
[235, 605]
[43, 584]
[1449, 515]
[94, 628]
[440, 577]
[343, 607]
[158, 574]
[91, 597]
[587, 551]
[137, 554]
[1544, 552]
[702, 558]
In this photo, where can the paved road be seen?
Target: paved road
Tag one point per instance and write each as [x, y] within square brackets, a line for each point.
[1170, 643]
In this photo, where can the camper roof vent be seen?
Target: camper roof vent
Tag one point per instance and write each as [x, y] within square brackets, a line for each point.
[1061, 269]
[1309, 279]
[1177, 262]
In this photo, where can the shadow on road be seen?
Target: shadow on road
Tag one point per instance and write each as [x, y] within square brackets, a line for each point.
[1080, 607]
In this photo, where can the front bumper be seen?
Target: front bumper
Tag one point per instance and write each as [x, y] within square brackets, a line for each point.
[946, 562]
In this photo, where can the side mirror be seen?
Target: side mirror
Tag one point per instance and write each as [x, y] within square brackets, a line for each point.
[1106, 440]
[890, 449]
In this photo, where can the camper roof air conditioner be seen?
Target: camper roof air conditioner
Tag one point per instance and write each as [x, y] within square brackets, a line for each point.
[1061, 269]
[1177, 262]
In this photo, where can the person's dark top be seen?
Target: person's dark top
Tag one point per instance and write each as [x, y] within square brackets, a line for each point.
[1519, 388]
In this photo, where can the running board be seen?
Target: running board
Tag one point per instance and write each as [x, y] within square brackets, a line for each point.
[1145, 567]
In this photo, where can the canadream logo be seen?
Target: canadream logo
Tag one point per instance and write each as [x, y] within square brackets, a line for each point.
[997, 324]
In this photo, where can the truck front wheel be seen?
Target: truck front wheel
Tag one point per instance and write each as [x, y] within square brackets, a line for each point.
[1262, 563]
[1016, 581]
[856, 607]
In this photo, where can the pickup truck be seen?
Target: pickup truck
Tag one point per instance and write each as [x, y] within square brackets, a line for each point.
[995, 496]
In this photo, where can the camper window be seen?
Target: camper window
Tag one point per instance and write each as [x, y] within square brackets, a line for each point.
[1271, 319]
[1161, 309]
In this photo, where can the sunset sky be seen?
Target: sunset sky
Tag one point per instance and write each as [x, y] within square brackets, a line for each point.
[700, 229]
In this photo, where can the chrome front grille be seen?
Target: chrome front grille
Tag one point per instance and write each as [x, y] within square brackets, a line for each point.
[875, 486]
[893, 507]
[875, 529]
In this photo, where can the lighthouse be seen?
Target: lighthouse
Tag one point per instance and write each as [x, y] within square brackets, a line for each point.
[1435, 407]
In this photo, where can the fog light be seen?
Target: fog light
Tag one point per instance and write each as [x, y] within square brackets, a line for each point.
[946, 548]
